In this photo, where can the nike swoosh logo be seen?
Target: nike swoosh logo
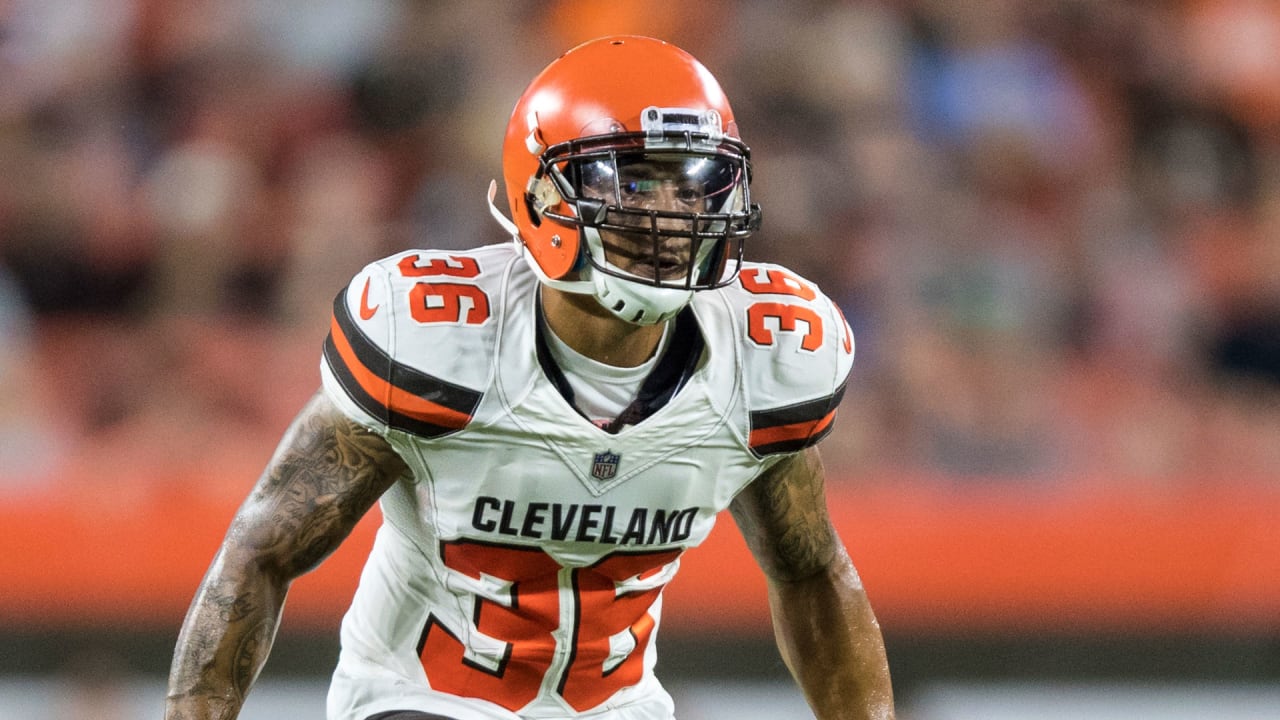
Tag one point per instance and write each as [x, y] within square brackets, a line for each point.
[366, 312]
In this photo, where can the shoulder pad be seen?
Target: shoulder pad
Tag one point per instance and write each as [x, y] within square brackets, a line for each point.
[410, 344]
[797, 353]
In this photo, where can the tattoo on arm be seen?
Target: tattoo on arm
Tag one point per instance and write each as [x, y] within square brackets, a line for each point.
[826, 631]
[783, 517]
[326, 474]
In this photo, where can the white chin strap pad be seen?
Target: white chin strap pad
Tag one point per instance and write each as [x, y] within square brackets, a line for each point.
[632, 300]
[637, 303]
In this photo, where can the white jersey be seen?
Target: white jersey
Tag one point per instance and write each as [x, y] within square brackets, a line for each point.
[519, 571]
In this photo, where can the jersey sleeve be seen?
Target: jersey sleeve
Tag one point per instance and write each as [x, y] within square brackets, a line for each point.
[797, 358]
[372, 364]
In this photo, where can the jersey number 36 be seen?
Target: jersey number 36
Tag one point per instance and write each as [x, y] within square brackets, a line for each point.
[522, 606]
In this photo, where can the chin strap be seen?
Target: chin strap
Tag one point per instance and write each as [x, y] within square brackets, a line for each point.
[506, 224]
[579, 287]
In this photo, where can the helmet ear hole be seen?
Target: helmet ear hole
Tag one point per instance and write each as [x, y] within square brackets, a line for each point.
[535, 219]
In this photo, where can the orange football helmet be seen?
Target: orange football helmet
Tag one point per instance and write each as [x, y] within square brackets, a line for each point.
[626, 177]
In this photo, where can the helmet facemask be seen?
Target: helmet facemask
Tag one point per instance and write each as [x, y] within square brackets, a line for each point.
[661, 214]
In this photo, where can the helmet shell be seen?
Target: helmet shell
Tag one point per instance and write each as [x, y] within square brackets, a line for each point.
[597, 88]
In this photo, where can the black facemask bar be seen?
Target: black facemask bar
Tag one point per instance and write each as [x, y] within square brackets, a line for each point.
[693, 250]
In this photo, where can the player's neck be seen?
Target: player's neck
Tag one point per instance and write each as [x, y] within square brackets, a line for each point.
[583, 325]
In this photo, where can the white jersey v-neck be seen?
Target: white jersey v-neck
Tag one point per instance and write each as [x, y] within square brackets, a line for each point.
[600, 391]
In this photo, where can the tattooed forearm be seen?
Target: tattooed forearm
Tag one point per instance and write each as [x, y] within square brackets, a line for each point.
[326, 474]
[220, 650]
[324, 478]
[784, 519]
[826, 632]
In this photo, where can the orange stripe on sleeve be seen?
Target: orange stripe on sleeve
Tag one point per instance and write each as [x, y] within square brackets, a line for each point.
[396, 399]
[792, 432]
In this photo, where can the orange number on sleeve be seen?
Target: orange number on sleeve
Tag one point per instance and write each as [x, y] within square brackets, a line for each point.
[777, 282]
[451, 266]
[431, 302]
[443, 302]
[787, 315]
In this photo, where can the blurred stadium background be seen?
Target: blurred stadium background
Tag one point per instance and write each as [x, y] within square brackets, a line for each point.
[1054, 226]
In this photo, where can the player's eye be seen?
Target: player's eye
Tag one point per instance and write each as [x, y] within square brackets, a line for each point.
[689, 195]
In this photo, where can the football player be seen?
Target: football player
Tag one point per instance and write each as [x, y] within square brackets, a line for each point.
[549, 424]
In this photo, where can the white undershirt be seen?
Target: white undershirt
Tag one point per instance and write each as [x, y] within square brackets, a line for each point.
[600, 391]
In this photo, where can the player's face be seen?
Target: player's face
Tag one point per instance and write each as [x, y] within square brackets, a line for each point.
[663, 193]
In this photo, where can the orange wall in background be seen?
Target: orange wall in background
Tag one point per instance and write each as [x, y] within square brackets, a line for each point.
[933, 556]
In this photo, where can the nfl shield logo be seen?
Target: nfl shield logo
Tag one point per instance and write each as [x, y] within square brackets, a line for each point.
[605, 465]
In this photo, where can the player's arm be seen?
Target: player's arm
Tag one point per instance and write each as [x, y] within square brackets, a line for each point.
[327, 472]
[823, 622]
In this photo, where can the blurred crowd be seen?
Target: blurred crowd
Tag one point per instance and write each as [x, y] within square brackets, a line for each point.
[1054, 225]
